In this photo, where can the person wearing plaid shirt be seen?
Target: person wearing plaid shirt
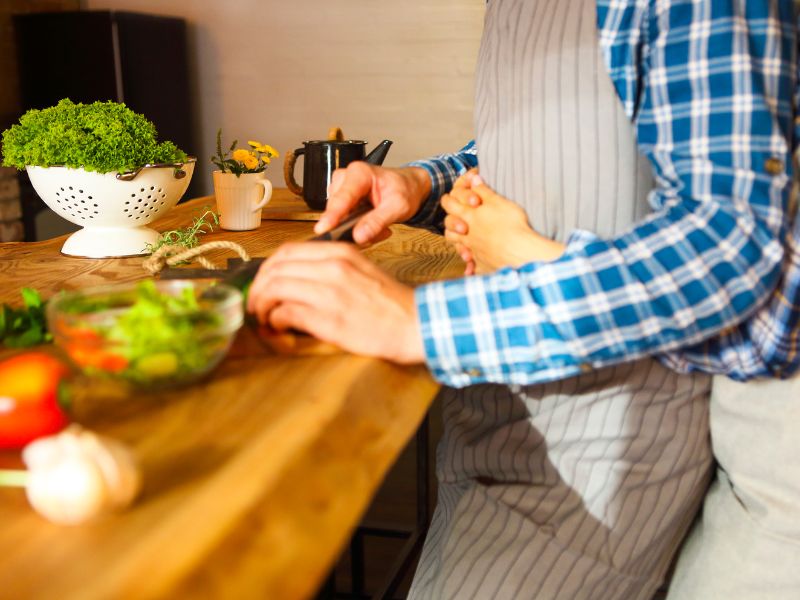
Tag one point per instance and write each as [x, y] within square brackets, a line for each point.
[708, 282]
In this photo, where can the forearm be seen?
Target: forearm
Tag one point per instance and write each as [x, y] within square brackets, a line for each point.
[603, 302]
[419, 184]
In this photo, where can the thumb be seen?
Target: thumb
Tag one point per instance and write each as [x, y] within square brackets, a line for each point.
[372, 227]
[348, 187]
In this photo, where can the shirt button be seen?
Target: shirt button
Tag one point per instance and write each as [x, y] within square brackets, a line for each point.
[773, 166]
[473, 372]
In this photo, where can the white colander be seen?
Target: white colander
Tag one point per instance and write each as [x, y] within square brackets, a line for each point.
[112, 209]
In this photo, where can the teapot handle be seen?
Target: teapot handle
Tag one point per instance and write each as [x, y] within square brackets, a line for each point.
[288, 171]
[335, 134]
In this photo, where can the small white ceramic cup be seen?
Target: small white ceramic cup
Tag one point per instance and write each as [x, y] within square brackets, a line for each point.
[240, 199]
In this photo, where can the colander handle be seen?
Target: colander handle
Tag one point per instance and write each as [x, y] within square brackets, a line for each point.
[178, 171]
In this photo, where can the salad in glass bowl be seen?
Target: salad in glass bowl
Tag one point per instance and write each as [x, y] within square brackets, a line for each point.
[150, 334]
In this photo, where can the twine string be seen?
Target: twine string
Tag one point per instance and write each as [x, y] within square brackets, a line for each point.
[171, 254]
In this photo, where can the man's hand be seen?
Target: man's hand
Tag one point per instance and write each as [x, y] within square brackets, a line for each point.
[396, 195]
[333, 292]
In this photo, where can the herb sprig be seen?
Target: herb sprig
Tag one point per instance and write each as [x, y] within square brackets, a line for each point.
[188, 237]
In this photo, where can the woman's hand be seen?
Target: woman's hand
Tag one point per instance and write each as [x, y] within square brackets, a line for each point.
[456, 224]
[490, 230]
[333, 292]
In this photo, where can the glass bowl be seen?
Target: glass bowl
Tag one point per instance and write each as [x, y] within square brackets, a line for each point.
[148, 334]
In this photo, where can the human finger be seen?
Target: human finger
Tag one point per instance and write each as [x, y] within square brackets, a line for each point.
[475, 178]
[311, 250]
[463, 251]
[456, 224]
[331, 272]
[484, 192]
[452, 206]
[453, 237]
[294, 252]
[465, 180]
[372, 227]
[289, 289]
[338, 177]
[310, 319]
[466, 197]
[466, 255]
[274, 284]
[469, 268]
[351, 185]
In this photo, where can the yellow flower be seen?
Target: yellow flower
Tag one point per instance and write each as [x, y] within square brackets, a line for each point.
[263, 148]
[267, 149]
[250, 161]
[241, 155]
[266, 159]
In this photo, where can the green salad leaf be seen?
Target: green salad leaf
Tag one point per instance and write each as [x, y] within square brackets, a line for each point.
[102, 137]
[26, 326]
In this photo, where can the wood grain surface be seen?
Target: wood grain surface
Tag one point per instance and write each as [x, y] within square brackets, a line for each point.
[285, 206]
[254, 478]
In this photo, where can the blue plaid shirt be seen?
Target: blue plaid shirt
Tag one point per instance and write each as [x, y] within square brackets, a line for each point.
[710, 281]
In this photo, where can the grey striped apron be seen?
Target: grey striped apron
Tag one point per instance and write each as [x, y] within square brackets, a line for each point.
[581, 488]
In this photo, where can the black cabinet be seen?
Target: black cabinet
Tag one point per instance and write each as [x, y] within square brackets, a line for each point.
[134, 58]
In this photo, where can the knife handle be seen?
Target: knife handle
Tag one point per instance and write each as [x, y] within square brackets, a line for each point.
[243, 274]
[343, 232]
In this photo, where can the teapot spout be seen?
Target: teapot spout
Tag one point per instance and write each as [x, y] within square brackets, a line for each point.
[378, 154]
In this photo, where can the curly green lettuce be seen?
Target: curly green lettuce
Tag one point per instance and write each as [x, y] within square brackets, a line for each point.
[102, 137]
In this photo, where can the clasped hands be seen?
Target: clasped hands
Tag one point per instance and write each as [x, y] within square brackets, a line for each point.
[489, 231]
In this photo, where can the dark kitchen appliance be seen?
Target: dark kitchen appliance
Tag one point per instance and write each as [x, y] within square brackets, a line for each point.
[138, 59]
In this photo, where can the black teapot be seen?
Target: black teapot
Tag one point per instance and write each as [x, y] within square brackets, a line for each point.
[322, 158]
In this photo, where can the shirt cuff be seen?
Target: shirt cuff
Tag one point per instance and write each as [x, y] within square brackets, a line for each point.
[451, 358]
[469, 339]
[443, 170]
[431, 215]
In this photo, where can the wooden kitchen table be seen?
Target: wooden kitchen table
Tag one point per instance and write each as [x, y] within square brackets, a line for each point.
[254, 478]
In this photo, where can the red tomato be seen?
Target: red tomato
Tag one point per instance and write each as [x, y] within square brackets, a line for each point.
[29, 389]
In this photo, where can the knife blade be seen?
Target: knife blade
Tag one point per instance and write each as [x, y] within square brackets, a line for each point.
[244, 272]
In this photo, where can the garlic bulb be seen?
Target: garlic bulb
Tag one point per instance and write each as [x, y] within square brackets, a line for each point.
[77, 474]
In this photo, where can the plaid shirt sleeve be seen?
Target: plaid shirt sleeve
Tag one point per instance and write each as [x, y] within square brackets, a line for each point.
[710, 116]
[443, 171]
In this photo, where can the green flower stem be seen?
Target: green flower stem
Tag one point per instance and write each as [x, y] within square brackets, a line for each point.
[13, 478]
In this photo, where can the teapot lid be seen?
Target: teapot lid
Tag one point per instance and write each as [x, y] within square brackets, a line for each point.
[336, 142]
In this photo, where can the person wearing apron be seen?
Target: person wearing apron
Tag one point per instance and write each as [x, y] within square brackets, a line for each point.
[584, 487]
[571, 467]
[732, 543]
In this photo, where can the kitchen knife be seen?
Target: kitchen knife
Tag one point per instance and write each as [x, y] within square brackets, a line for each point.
[242, 274]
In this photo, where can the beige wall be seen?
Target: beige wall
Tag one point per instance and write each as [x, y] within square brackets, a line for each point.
[281, 71]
